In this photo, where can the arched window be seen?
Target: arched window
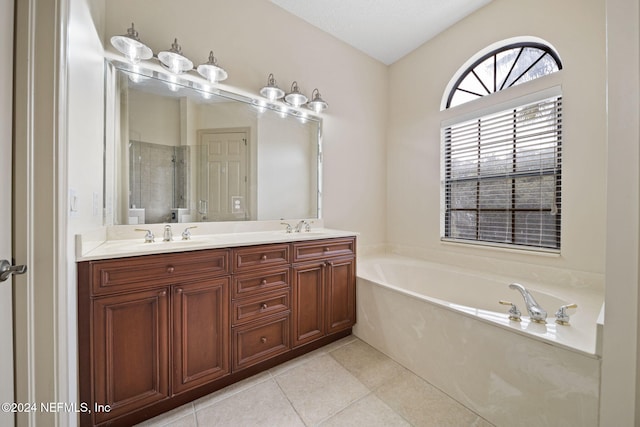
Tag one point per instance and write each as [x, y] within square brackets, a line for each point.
[502, 177]
[502, 68]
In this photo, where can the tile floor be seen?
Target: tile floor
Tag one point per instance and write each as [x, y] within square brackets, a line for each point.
[346, 383]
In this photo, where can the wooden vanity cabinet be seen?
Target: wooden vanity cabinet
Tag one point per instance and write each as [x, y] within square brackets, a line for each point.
[200, 313]
[323, 288]
[261, 304]
[151, 327]
[130, 351]
[158, 331]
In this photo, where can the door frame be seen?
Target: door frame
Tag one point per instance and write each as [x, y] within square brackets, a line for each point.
[6, 207]
[42, 306]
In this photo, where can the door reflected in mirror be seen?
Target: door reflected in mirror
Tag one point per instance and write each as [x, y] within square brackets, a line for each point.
[178, 153]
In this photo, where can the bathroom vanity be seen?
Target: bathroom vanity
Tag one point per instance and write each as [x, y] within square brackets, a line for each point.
[162, 329]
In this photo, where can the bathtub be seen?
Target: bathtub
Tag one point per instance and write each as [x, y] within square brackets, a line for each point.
[445, 325]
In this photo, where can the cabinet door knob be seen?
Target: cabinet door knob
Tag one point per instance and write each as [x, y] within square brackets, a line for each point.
[171, 269]
[329, 263]
[263, 306]
[263, 340]
[179, 290]
[162, 293]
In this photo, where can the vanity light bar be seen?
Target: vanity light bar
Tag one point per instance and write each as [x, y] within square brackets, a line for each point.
[295, 97]
[134, 50]
[140, 72]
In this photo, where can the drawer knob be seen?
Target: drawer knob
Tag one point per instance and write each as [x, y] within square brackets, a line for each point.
[327, 249]
[263, 257]
[263, 306]
[263, 282]
[263, 340]
[171, 269]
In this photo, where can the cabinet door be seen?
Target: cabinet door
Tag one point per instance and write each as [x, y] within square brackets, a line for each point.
[341, 294]
[200, 333]
[308, 302]
[131, 367]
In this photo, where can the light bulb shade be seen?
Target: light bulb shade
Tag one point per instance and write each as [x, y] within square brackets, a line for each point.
[130, 46]
[271, 91]
[295, 97]
[211, 70]
[317, 104]
[174, 60]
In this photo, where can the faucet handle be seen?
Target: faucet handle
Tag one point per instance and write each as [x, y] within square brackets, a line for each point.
[149, 237]
[186, 234]
[562, 317]
[514, 313]
[289, 227]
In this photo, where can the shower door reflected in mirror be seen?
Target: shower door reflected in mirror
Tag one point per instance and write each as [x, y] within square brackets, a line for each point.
[158, 182]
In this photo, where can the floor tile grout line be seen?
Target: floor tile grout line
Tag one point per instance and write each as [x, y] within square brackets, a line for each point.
[275, 380]
[343, 409]
[268, 376]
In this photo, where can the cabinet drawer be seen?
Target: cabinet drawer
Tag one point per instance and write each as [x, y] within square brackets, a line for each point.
[259, 341]
[258, 307]
[261, 281]
[260, 256]
[322, 249]
[134, 273]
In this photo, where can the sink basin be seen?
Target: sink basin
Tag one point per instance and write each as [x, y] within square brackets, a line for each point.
[130, 245]
[300, 234]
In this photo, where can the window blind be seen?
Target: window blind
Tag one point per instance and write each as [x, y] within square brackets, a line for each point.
[502, 177]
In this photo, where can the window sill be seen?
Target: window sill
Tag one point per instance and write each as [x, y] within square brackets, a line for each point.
[501, 247]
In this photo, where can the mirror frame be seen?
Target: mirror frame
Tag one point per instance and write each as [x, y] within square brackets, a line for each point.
[114, 65]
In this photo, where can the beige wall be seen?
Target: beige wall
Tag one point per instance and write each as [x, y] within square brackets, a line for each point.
[85, 140]
[252, 38]
[417, 85]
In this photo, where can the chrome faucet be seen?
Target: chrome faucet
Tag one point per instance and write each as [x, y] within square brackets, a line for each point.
[186, 234]
[537, 313]
[289, 228]
[148, 237]
[299, 225]
[168, 234]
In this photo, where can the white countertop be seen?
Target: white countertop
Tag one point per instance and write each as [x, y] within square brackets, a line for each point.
[117, 248]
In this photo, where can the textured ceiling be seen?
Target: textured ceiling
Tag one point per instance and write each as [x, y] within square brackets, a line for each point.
[384, 29]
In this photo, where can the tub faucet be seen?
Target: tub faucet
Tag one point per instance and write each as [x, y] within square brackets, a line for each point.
[537, 313]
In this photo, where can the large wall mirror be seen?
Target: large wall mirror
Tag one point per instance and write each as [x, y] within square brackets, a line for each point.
[180, 152]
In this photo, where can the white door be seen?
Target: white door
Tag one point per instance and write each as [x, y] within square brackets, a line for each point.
[6, 122]
[223, 175]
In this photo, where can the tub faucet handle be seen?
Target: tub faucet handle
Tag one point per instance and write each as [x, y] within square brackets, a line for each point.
[562, 317]
[514, 313]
